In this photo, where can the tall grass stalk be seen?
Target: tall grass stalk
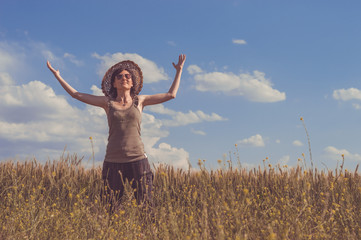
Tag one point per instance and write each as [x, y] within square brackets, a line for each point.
[308, 141]
[61, 200]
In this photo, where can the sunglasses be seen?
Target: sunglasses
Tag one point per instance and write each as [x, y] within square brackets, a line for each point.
[120, 76]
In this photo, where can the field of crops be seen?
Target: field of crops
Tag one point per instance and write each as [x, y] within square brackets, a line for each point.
[62, 200]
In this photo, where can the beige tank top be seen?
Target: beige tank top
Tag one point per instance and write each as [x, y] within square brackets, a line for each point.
[124, 141]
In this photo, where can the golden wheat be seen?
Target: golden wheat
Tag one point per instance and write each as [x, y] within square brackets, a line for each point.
[62, 200]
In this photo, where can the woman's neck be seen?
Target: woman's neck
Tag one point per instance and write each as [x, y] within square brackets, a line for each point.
[123, 97]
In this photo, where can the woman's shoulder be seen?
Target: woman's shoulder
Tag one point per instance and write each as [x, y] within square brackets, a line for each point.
[104, 100]
[106, 103]
[140, 99]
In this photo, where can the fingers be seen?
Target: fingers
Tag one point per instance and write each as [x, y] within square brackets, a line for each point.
[182, 58]
[51, 68]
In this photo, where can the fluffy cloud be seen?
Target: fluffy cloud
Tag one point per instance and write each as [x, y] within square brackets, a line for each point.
[336, 154]
[297, 143]
[73, 59]
[239, 41]
[182, 119]
[171, 43]
[166, 154]
[161, 153]
[198, 132]
[35, 120]
[5, 79]
[33, 113]
[284, 160]
[254, 87]
[194, 69]
[9, 56]
[356, 106]
[151, 72]
[254, 141]
[347, 94]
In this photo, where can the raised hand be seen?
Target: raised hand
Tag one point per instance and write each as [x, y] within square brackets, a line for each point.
[180, 64]
[55, 72]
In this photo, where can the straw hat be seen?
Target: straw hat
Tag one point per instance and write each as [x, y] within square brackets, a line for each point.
[132, 68]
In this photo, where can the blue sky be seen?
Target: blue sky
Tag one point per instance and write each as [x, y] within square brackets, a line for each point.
[253, 69]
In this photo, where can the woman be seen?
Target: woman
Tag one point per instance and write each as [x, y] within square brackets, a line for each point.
[125, 158]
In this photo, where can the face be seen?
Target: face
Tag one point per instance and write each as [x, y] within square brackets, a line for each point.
[123, 80]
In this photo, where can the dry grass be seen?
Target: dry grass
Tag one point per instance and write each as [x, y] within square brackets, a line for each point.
[61, 200]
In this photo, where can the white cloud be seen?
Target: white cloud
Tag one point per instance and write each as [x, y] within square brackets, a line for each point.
[254, 141]
[163, 153]
[17, 60]
[198, 132]
[194, 69]
[171, 43]
[152, 130]
[336, 154]
[182, 119]
[217, 81]
[9, 57]
[49, 120]
[254, 87]
[239, 41]
[159, 108]
[33, 115]
[48, 55]
[12, 62]
[96, 91]
[41, 124]
[347, 94]
[166, 154]
[5, 79]
[151, 72]
[73, 59]
[297, 143]
[284, 160]
[356, 106]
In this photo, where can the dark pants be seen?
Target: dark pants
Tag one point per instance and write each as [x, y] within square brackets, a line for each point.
[138, 174]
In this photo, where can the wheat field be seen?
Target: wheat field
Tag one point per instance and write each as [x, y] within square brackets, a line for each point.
[62, 200]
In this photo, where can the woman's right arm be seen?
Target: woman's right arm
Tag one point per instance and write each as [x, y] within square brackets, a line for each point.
[100, 101]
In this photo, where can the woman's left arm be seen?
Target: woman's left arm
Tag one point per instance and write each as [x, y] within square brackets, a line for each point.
[145, 100]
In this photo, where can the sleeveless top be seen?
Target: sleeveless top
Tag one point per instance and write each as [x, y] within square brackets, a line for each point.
[124, 141]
